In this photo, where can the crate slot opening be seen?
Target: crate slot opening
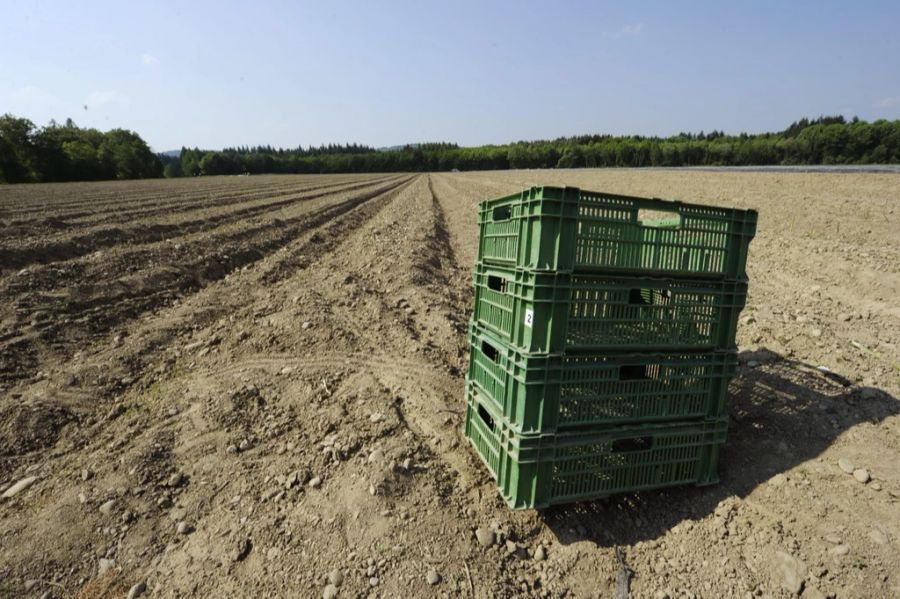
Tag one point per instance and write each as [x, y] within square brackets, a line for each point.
[640, 297]
[485, 417]
[632, 444]
[501, 213]
[496, 283]
[632, 372]
[490, 351]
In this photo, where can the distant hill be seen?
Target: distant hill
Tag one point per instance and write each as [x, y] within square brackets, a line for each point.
[171, 153]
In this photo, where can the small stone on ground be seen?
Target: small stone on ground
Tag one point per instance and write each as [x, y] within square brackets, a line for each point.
[19, 487]
[137, 590]
[846, 465]
[862, 475]
[485, 536]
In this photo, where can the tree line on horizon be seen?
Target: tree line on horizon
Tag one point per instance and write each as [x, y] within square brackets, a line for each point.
[68, 153]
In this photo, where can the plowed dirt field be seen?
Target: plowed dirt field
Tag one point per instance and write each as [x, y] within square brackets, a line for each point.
[253, 387]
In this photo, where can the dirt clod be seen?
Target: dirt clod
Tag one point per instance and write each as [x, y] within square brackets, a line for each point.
[841, 550]
[793, 572]
[485, 536]
[336, 577]
[241, 551]
[184, 528]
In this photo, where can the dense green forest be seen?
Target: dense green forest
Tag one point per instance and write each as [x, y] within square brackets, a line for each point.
[826, 140]
[67, 153]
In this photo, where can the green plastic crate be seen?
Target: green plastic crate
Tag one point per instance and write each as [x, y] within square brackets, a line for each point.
[555, 312]
[536, 471]
[546, 393]
[570, 230]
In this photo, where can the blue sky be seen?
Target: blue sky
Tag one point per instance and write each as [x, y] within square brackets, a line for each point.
[213, 74]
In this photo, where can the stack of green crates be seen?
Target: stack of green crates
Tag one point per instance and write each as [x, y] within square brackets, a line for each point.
[602, 342]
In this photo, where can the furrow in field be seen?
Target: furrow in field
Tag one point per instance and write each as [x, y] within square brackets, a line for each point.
[25, 203]
[395, 289]
[452, 275]
[331, 235]
[116, 296]
[117, 261]
[215, 246]
[320, 238]
[99, 193]
[215, 202]
[16, 256]
[91, 211]
[235, 187]
[460, 209]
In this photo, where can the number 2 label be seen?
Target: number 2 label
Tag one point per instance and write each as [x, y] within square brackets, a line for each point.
[529, 318]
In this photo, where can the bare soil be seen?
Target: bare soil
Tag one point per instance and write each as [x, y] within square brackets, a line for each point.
[253, 386]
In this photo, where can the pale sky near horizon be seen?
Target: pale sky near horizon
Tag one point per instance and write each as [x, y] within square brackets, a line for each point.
[215, 74]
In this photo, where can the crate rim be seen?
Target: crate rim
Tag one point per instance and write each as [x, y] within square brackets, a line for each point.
[578, 191]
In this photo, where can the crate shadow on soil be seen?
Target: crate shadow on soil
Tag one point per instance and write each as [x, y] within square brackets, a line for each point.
[783, 413]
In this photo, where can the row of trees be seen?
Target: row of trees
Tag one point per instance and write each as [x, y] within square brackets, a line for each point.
[69, 153]
[826, 140]
[344, 159]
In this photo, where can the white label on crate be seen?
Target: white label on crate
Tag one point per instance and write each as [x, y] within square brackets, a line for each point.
[529, 318]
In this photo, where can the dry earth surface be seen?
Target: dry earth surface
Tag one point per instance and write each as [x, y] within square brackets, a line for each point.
[253, 387]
